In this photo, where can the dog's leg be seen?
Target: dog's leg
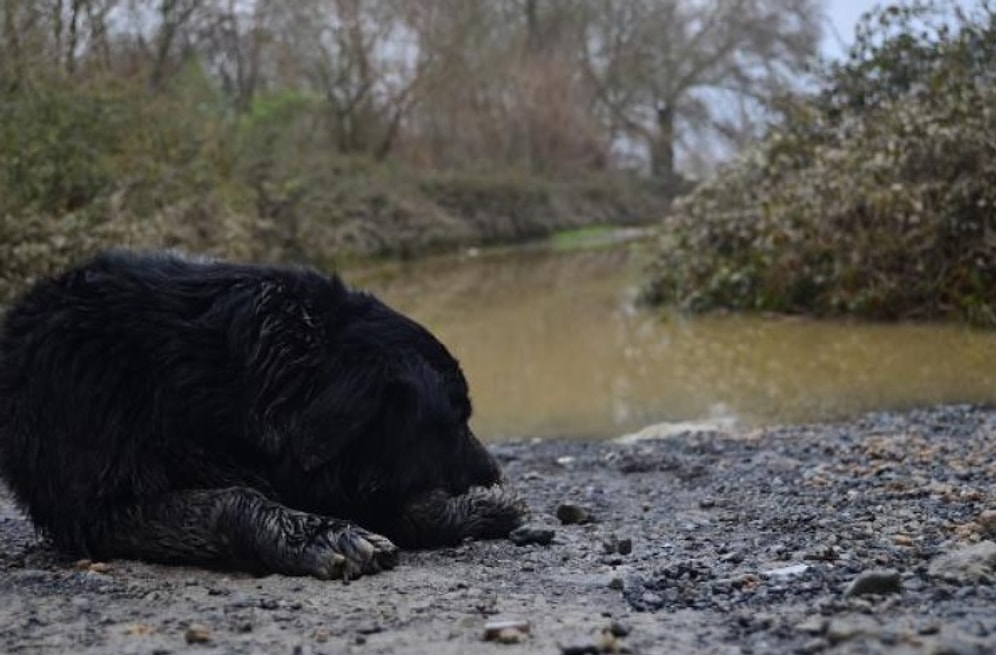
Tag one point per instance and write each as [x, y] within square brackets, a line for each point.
[439, 519]
[241, 528]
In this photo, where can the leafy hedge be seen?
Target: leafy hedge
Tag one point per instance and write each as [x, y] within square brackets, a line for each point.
[109, 162]
[875, 197]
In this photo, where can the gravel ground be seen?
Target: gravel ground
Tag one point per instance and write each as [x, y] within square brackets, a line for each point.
[873, 536]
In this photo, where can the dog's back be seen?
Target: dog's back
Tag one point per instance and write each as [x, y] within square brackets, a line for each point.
[105, 367]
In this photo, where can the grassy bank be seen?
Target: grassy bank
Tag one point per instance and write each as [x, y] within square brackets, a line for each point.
[86, 167]
[101, 157]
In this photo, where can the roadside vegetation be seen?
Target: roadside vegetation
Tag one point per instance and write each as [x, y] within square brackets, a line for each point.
[875, 196]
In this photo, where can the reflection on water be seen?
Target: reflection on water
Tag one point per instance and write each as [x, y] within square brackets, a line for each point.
[552, 346]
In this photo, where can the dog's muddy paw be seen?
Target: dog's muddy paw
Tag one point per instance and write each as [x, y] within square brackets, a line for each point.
[348, 552]
[492, 512]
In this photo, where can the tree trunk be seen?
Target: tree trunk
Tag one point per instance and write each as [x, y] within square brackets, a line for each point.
[13, 66]
[74, 25]
[662, 145]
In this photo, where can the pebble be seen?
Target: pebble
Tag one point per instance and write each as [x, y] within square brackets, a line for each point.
[815, 645]
[987, 521]
[786, 571]
[619, 629]
[197, 634]
[532, 534]
[508, 631]
[571, 514]
[976, 563]
[814, 625]
[616, 545]
[581, 647]
[874, 582]
[843, 629]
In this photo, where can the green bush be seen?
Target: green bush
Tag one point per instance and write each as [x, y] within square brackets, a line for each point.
[874, 197]
[101, 164]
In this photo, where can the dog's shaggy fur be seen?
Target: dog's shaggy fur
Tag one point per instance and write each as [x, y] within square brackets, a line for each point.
[263, 418]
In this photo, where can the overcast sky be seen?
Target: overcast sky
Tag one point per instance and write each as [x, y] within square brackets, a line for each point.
[844, 15]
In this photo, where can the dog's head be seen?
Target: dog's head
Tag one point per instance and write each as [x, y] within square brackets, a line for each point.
[388, 418]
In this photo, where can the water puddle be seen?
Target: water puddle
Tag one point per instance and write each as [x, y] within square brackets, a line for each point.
[552, 346]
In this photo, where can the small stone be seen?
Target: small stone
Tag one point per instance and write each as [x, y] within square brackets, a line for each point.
[581, 647]
[813, 625]
[197, 634]
[734, 557]
[506, 631]
[848, 628]
[370, 628]
[874, 582]
[614, 544]
[82, 603]
[957, 645]
[969, 565]
[619, 629]
[532, 534]
[987, 521]
[815, 645]
[139, 630]
[570, 514]
[607, 642]
[786, 571]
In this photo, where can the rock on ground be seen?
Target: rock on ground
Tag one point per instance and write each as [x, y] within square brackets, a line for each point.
[737, 542]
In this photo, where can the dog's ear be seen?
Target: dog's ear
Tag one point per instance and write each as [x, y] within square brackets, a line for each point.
[358, 410]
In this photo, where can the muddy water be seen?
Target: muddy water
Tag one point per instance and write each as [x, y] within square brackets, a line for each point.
[552, 346]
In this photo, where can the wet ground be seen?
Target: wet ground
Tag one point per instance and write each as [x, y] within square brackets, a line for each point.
[872, 536]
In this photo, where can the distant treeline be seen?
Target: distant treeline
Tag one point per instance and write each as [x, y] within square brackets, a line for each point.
[875, 196]
[308, 129]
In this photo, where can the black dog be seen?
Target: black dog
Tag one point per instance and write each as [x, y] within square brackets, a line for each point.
[172, 410]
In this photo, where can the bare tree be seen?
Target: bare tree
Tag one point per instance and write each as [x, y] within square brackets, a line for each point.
[662, 67]
[233, 40]
[172, 19]
[503, 87]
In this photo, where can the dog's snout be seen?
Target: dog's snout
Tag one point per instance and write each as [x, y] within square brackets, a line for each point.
[488, 470]
[479, 467]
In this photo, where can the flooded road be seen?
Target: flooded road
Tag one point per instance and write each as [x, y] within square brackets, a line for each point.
[552, 346]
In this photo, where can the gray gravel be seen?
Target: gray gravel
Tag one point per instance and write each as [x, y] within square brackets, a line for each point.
[873, 536]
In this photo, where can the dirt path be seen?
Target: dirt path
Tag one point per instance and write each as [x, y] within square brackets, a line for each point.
[742, 542]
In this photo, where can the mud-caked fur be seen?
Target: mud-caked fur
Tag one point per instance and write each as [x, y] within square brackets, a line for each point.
[262, 418]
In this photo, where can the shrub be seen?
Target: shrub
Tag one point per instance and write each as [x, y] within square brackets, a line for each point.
[874, 197]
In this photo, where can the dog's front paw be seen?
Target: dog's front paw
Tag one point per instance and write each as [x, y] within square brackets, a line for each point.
[343, 550]
[490, 512]
[439, 519]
